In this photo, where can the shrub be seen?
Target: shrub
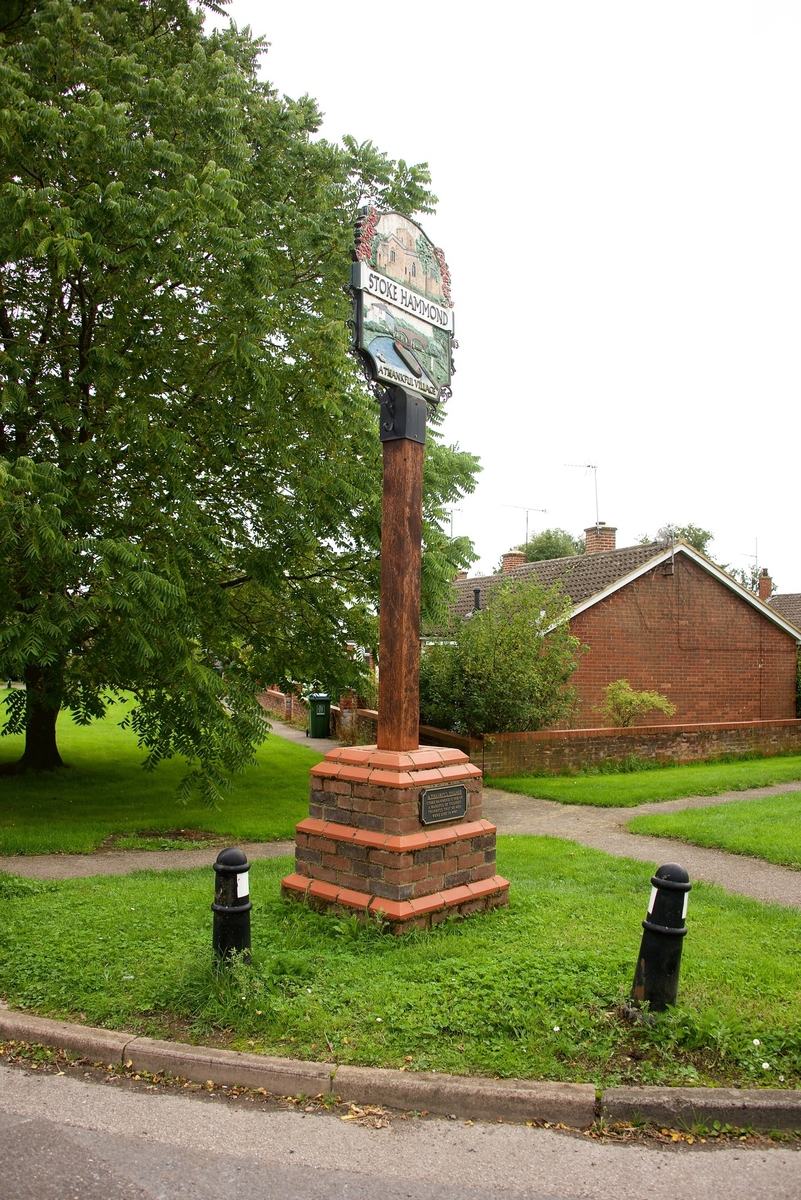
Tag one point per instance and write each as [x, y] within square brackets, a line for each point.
[505, 668]
[622, 705]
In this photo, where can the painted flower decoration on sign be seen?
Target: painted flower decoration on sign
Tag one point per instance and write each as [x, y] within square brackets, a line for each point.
[445, 276]
[365, 234]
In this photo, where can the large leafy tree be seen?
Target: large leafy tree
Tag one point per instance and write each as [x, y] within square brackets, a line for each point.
[694, 534]
[189, 461]
[552, 543]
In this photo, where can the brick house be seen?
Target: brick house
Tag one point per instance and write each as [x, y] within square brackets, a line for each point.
[667, 619]
[788, 605]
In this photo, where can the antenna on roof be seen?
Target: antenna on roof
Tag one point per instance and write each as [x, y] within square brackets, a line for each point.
[452, 514]
[590, 467]
[755, 556]
[523, 508]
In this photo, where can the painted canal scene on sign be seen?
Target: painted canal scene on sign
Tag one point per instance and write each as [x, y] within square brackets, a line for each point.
[404, 311]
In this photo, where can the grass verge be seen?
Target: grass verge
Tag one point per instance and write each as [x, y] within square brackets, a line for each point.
[104, 790]
[529, 992]
[629, 788]
[768, 827]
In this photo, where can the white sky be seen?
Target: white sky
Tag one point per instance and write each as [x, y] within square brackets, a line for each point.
[620, 205]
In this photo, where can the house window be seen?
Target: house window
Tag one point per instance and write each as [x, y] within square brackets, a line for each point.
[414, 270]
[392, 256]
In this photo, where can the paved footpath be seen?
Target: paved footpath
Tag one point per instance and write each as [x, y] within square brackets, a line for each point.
[605, 829]
[291, 734]
[601, 828]
[64, 1137]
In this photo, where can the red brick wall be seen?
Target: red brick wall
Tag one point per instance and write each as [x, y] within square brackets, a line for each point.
[691, 638]
[570, 749]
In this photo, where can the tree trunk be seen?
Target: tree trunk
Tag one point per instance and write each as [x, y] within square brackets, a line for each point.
[42, 702]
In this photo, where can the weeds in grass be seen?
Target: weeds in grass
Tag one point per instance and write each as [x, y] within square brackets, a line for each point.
[632, 763]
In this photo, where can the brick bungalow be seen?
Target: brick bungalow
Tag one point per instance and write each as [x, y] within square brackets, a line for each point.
[667, 619]
[788, 605]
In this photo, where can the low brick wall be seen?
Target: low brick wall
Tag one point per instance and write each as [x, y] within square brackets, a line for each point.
[570, 749]
[367, 727]
[286, 706]
[565, 749]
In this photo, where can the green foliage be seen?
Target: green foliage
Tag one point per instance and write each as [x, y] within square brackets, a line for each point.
[632, 787]
[622, 705]
[189, 461]
[747, 577]
[13, 15]
[504, 668]
[694, 534]
[525, 992]
[105, 791]
[552, 543]
[766, 827]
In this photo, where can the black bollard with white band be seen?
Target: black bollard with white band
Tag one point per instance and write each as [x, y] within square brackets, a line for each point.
[231, 905]
[656, 980]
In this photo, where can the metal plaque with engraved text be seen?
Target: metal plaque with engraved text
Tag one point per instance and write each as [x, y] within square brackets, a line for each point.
[443, 803]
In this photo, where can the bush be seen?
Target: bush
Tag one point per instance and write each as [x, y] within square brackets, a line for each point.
[505, 668]
[622, 705]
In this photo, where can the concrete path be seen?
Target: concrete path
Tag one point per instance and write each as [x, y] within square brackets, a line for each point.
[605, 829]
[321, 745]
[65, 1137]
[123, 862]
[602, 828]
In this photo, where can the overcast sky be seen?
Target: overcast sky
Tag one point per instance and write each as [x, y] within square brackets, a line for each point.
[619, 193]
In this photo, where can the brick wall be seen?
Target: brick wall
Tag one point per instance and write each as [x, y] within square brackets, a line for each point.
[570, 749]
[286, 706]
[691, 638]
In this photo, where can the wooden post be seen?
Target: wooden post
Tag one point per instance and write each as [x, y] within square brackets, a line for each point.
[399, 629]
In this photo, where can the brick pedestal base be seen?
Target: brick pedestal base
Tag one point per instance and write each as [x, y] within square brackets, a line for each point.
[364, 847]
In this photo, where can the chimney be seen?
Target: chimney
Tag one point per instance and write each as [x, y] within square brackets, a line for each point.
[476, 599]
[459, 575]
[511, 560]
[600, 537]
[765, 585]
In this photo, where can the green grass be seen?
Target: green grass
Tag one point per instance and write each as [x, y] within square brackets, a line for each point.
[629, 788]
[135, 842]
[530, 991]
[768, 827]
[104, 790]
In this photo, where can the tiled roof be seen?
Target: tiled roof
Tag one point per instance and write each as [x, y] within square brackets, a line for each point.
[788, 606]
[581, 575]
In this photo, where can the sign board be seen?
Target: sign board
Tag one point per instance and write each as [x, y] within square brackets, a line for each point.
[404, 311]
[443, 803]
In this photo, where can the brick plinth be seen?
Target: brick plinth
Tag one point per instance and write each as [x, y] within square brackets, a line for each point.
[364, 847]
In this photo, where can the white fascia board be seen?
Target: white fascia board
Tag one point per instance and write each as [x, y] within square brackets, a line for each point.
[685, 548]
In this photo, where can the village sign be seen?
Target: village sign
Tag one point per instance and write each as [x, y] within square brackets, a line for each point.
[404, 311]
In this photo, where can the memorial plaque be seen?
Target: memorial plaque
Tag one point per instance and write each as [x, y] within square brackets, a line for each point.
[443, 803]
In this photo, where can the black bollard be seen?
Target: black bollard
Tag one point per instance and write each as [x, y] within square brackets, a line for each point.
[231, 905]
[656, 979]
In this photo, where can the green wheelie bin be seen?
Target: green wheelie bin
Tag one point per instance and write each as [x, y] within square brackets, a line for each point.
[319, 715]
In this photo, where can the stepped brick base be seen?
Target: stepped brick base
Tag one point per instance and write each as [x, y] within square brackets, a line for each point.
[364, 847]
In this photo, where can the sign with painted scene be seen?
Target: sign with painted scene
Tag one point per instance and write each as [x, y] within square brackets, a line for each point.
[404, 311]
